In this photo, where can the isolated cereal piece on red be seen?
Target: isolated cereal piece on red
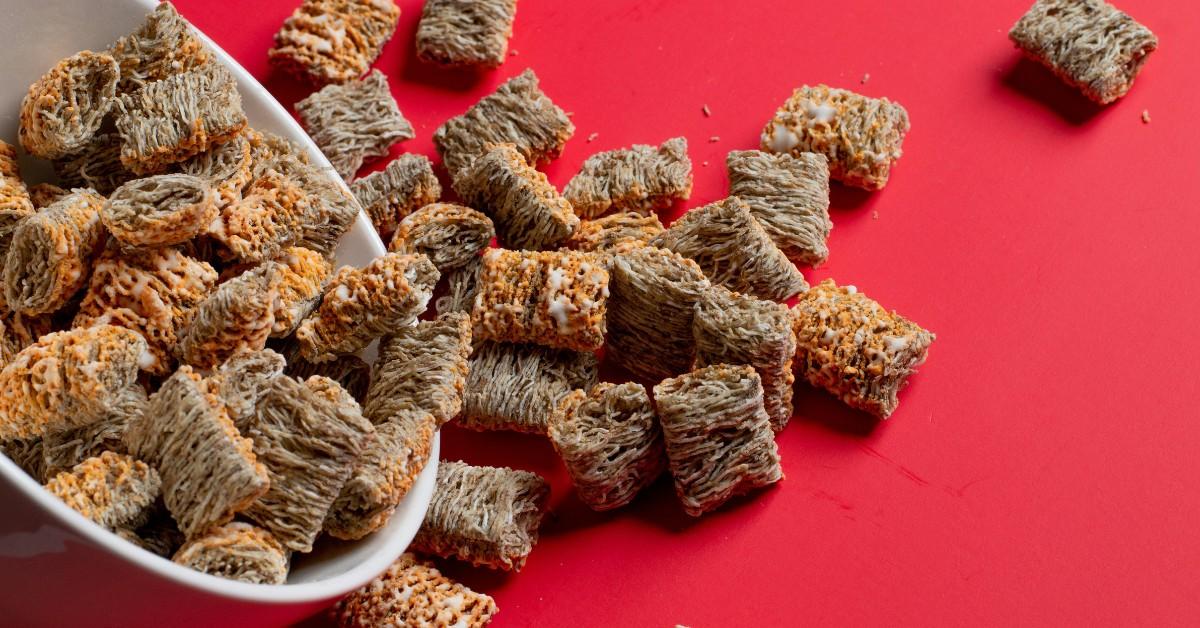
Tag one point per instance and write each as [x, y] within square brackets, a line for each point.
[63, 110]
[529, 213]
[226, 167]
[302, 275]
[97, 166]
[63, 449]
[517, 113]
[733, 250]
[788, 194]
[50, 254]
[487, 516]
[718, 436]
[361, 304]
[42, 195]
[638, 179]
[237, 316]
[422, 368]
[237, 551]
[461, 286]
[860, 136]
[615, 233]
[388, 195]
[451, 236]
[457, 33]
[243, 379]
[15, 202]
[517, 387]
[163, 45]
[1089, 44]
[334, 41]
[111, 489]
[412, 592]
[852, 347]
[610, 442]
[353, 121]
[159, 210]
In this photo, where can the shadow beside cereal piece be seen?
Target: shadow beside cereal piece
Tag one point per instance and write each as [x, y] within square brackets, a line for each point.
[1031, 80]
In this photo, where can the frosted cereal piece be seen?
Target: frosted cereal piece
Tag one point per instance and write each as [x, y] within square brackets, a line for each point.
[67, 379]
[237, 551]
[50, 255]
[27, 454]
[302, 275]
[462, 286]
[15, 202]
[517, 387]
[391, 194]
[209, 471]
[637, 179]
[551, 298]
[159, 210]
[63, 110]
[412, 592]
[422, 368]
[718, 436]
[456, 33]
[451, 236]
[111, 489]
[487, 516]
[179, 117]
[733, 250]
[18, 331]
[154, 292]
[517, 113]
[243, 379]
[334, 41]
[162, 46]
[852, 347]
[159, 535]
[610, 442]
[62, 450]
[344, 403]
[736, 329]
[860, 136]
[227, 168]
[353, 121]
[789, 196]
[237, 316]
[529, 213]
[383, 475]
[615, 233]
[97, 166]
[1089, 44]
[42, 195]
[361, 304]
[650, 312]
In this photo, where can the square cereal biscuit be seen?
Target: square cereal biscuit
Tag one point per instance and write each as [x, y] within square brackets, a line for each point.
[789, 196]
[334, 41]
[638, 179]
[352, 121]
[412, 592]
[465, 32]
[517, 387]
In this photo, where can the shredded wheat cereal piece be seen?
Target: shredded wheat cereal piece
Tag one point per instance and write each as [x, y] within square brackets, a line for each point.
[243, 379]
[718, 436]
[334, 41]
[637, 179]
[27, 454]
[391, 194]
[159, 535]
[50, 255]
[1087, 43]
[227, 167]
[733, 250]
[487, 516]
[237, 316]
[66, 448]
[97, 166]
[159, 210]
[350, 371]
[421, 369]
[609, 441]
[42, 195]
[457, 33]
[15, 202]
[354, 121]
[302, 275]
[615, 233]
[789, 196]
[451, 236]
[413, 592]
[162, 46]
[266, 148]
[237, 551]
[517, 387]
[18, 331]
[63, 110]
[462, 286]
[267, 218]
[113, 490]
[852, 347]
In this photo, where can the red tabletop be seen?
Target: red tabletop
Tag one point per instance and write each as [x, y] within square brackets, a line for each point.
[1041, 468]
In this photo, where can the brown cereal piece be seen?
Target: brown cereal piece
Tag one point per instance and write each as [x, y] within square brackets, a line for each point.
[208, 469]
[451, 236]
[18, 331]
[50, 255]
[349, 371]
[361, 304]
[243, 379]
[64, 449]
[852, 347]
[637, 179]
[302, 275]
[179, 117]
[462, 286]
[330, 390]
[517, 113]
[353, 121]
[15, 201]
[227, 168]
[718, 436]
[733, 250]
[159, 535]
[609, 441]
[113, 490]
[159, 210]
[97, 166]
[27, 454]
[67, 379]
[1089, 44]
[334, 41]
[422, 368]
[413, 592]
[63, 110]
[391, 194]
[788, 194]
[615, 233]
[731, 328]
[860, 136]
[162, 46]
[42, 195]
[487, 516]
[528, 211]
[266, 148]
[650, 312]
[517, 387]
[552, 298]
[456, 33]
[237, 316]
[237, 551]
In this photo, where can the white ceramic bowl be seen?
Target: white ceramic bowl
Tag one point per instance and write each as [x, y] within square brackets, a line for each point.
[59, 569]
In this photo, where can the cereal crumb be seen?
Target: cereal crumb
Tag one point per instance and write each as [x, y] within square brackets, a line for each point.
[874, 214]
[513, 53]
[704, 163]
[570, 114]
[707, 111]
[1146, 116]
[715, 138]
[866, 77]
[592, 137]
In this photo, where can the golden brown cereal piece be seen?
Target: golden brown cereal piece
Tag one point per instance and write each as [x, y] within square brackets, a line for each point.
[451, 236]
[789, 196]
[353, 121]
[111, 489]
[50, 255]
[456, 33]
[18, 331]
[615, 233]
[517, 113]
[162, 46]
[462, 286]
[361, 304]
[855, 349]
[413, 592]
[67, 379]
[860, 136]
[334, 41]
[302, 277]
[637, 179]
[242, 379]
[487, 516]
[517, 387]
[159, 210]
[529, 213]
[42, 195]
[64, 449]
[237, 551]
[97, 166]
[63, 109]
[405, 185]
[1087, 43]
[15, 202]
[237, 316]
[422, 368]
[719, 439]
[227, 168]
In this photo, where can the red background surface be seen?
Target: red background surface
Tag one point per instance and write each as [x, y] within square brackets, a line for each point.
[1041, 468]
